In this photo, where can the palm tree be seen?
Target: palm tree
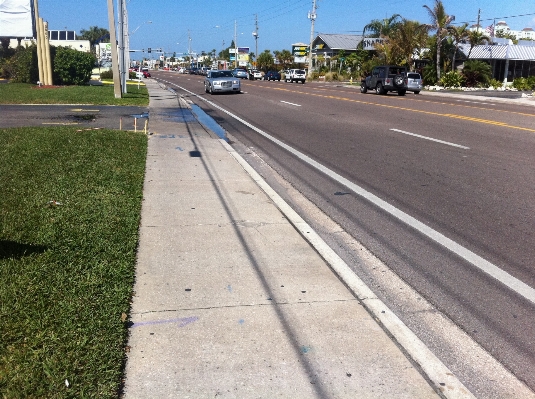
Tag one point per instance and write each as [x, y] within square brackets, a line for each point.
[284, 57]
[95, 35]
[459, 35]
[476, 37]
[408, 38]
[382, 27]
[439, 22]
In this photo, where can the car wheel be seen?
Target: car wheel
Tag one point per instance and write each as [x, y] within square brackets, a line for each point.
[363, 88]
[417, 92]
[379, 89]
[402, 92]
[398, 80]
[205, 88]
[211, 90]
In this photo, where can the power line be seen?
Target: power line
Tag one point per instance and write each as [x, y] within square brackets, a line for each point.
[492, 19]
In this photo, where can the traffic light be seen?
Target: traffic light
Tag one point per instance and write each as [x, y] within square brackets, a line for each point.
[149, 50]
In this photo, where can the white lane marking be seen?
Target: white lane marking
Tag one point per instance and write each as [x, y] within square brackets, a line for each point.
[437, 373]
[431, 139]
[286, 102]
[484, 265]
[474, 102]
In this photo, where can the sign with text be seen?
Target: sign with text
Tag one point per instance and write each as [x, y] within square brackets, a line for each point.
[300, 51]
[370, 42]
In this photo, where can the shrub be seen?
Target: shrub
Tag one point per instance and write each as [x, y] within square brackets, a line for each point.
[73, 67]
[22, 67]
[452, 79]
[495, 83]
[524, 83]
[429, 74]
[331, 76]
[477, 73]
[106, 74]
[315, 75]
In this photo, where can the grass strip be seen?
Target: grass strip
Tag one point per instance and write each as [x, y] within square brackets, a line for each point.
[69, 216]
[22, 93]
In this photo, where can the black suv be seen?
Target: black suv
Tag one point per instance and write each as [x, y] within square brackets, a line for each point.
[386, 78]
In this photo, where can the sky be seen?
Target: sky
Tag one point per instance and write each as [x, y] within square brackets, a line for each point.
[204, 25]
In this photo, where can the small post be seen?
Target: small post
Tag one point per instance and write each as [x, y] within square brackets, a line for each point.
[146, 123]
[135, 124]
[121, 123]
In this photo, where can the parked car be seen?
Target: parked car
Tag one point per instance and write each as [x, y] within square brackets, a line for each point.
[255, 74]
[414, 82]
[385, 78]
[221, 81]
[272, 75]
[240, 73]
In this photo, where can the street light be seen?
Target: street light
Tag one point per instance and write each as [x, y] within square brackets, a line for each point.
[135, 30]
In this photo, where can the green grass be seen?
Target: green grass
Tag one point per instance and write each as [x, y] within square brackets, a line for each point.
[69, 216]
[21, 93]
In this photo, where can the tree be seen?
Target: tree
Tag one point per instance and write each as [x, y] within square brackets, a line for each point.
[459, 34]
[506, 35]
[408, 38]
[95, 35]
[225, 54]
[476, 72]
[73, 66]
[382, 27]
[476, 37]
[265, 61]
[284, 57]
[439, 22]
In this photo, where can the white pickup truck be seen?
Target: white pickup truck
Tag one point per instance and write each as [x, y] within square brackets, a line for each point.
[296, 75]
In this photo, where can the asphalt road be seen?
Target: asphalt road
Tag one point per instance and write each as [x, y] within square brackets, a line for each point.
[463, 168]
[86, 116]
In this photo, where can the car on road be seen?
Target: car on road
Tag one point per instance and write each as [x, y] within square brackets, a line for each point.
[296, 75]
[414, 82]
[255, 74]
[272, 75]
[142, 74]
[240, 73]
[222, 81]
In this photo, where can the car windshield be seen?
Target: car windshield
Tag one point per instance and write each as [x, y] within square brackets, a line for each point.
[300, 71]
[221, 74]
[413, 75]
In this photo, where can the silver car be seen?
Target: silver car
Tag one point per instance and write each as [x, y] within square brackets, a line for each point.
[414, 82]
[221, 81]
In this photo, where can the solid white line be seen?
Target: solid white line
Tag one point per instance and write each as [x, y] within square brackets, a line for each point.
[437, 373]
[286, 102]
[484, 265]
[431, 139]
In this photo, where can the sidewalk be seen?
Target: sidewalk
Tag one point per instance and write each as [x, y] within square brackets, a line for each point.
[232, 301]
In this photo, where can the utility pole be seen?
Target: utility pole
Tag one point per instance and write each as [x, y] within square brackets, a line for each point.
[189, 49]
[114, 58]
[478, 18]
[235, 46]
[255, 34]
[312, 17]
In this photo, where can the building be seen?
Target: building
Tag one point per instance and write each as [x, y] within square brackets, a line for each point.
[508, 61]
[502, 27]
[327, 45]
[64, 38]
